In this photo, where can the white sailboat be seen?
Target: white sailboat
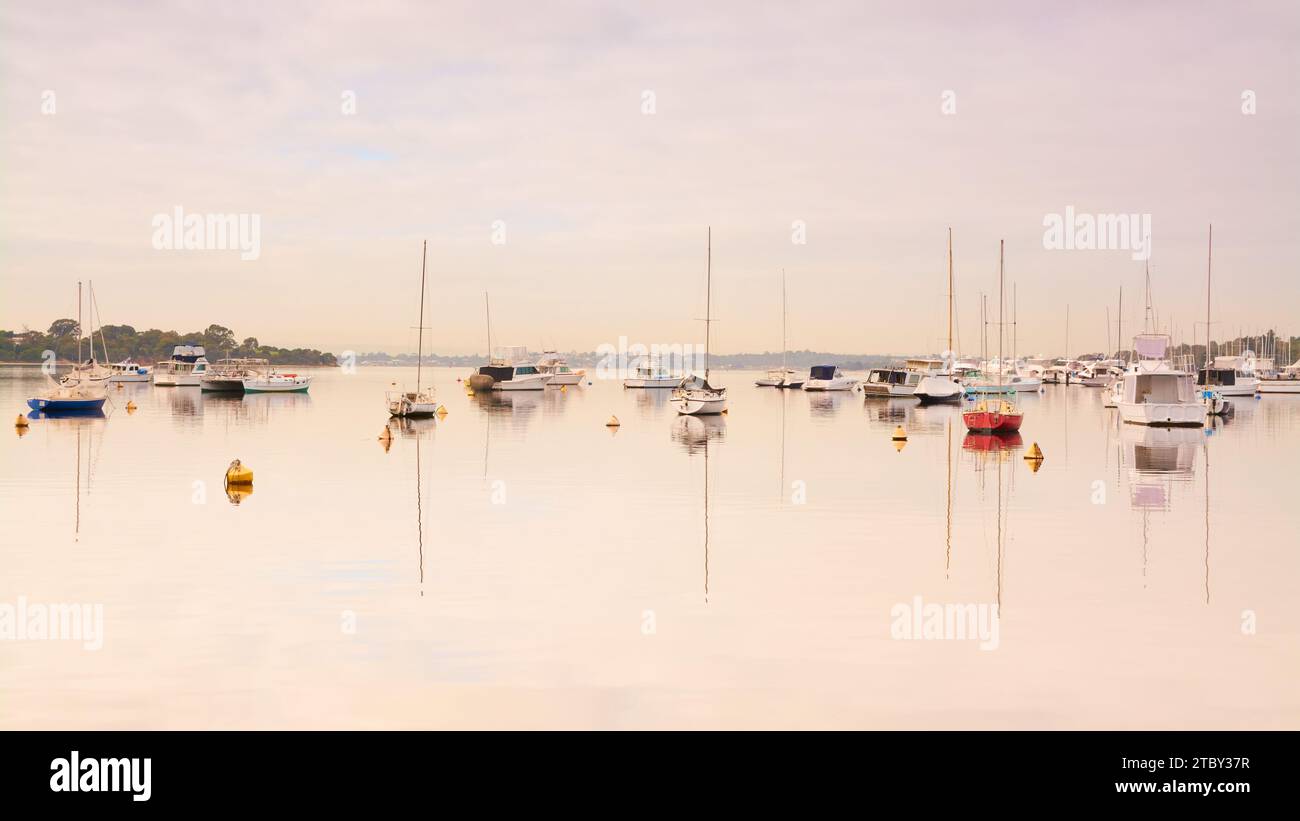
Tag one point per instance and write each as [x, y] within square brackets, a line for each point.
[694, 395]
[938, 385]
[783, 376]
[421, 401]
[89, 372]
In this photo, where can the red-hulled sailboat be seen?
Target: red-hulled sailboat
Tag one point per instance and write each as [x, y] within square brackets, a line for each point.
[994, 414]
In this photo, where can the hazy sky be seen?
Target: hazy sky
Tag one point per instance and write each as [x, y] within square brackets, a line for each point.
[532, 114]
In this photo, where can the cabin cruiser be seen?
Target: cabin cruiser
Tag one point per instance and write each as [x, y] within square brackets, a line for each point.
[893, 381]
[229, 374]
[514, 377]
[1230, 375]
[561, 374]
[828, 378]
[128, 370]
[648, 375]
[694, 396]
[185, 369]
[1154, 393]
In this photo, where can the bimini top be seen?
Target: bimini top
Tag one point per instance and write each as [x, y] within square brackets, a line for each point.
[1151, 346]
[822, 372]
[188, 353]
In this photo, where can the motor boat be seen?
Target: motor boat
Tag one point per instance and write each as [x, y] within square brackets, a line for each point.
[1230, 375]
[893, 381]
[276, 382]
[514, 377]
[128, 370]
[561, 374]
[1154, 392]
[828, 378]
[185, 369]
[228, 375]
[650, 375]
[777, 378]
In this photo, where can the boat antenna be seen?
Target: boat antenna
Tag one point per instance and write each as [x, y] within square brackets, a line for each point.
[783, 342]
[1119, 326]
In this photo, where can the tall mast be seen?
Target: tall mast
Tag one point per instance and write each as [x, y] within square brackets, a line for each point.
[1209, 261]
[419, 347]
[92, 342]
[950, 288]
[1067, 331]
[708, 303]
[1148, 321]
[1119, 324]
[487, 308]
[1015, 324]
[783, 342]
[1001, 297]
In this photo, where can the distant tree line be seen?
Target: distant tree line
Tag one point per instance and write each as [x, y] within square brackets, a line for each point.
[146, 347]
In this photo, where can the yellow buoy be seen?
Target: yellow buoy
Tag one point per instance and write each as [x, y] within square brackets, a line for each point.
[22, 422]
[564, 388]
[1034, 465]
[899, 444]
[239, 474]
[442, 411]
[613, 422]
[900, 435]
[1035, 453]
[130, 406]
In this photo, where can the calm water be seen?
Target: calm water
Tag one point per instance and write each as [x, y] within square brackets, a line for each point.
[517, 564]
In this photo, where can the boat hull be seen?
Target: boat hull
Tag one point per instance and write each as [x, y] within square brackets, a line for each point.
[980, 421]
[1279, 386]
[233, 385]
[571, 378]
[645, 382]
[130, 377]
[52, 406]
[829, 384]
[700, 403]
[1163, 414]
[1244, 388]
[935, 389]
[535, 383]
[287, 384]
[876, 389]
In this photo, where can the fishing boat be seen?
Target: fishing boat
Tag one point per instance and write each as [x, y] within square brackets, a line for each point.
[1155, 393]
[128, 370]
[694, 396]
[828, 378]
[651, 375]
[992, 414]
[228, 375]
[184, 370]
[783, 376]
[552, 363]
[421, 402]
[276, 382]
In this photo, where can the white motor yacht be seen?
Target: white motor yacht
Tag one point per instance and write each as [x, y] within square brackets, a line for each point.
[828, 378]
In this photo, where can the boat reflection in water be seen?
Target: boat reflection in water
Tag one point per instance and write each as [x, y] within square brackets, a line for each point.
[1003, 445]
[695, 432]
[1156, 458]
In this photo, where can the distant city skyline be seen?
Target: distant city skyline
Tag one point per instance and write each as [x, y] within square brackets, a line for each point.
[570, 159]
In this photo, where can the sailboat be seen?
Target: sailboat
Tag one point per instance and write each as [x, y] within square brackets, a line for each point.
[76, 395]
[939, 386]
[995, 415]
[694, 395]
[89, 371]
[419, 402]
[784, 376]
